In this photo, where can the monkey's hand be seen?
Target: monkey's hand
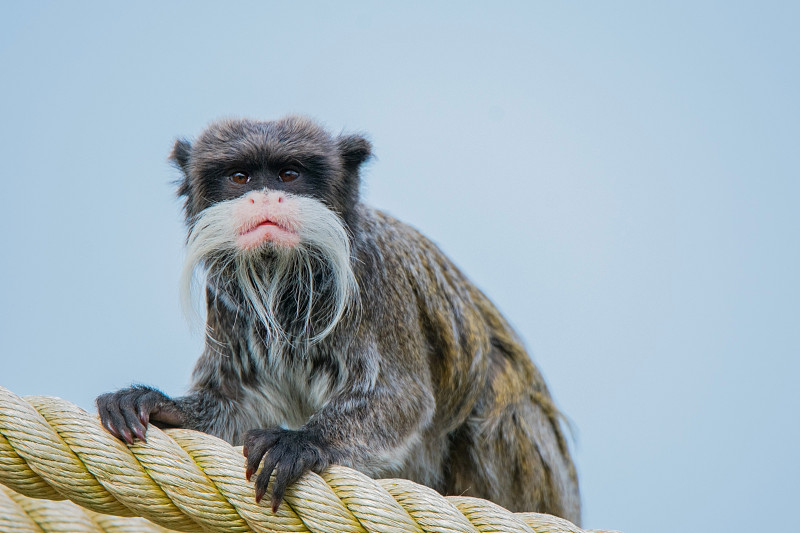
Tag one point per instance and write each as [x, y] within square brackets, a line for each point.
[289, 454]
[127, 412]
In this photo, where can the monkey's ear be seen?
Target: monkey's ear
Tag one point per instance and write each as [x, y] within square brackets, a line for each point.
[355, 149]
[180, 154]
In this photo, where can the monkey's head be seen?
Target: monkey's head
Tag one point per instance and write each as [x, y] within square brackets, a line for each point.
[271, 207]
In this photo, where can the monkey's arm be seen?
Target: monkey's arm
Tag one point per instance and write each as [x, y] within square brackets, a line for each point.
[370, 425]
[126, 412]
[209, 407]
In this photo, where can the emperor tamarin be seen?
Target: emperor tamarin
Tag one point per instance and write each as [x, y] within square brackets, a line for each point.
[337, 334]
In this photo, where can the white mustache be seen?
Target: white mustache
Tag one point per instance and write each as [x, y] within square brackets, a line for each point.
[264, 274]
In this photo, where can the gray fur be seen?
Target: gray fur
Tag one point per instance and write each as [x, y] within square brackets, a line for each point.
[427, 381]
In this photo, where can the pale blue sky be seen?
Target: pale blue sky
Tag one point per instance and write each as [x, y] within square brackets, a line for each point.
[620, 178]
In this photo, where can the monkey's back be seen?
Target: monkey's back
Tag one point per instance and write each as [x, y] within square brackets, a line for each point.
[495, 431]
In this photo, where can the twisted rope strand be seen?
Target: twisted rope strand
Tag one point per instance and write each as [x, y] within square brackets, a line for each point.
[20, 514]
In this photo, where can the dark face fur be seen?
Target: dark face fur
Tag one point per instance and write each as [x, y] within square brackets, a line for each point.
[293, 154]
[271, 207]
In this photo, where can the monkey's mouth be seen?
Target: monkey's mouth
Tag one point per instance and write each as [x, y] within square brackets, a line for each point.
[264, 223]
[266, 231]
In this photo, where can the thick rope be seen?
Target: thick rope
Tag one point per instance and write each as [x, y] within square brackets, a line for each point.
[20, 514]
[189, 481]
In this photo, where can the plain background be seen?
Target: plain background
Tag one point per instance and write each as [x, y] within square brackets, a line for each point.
[620, 178]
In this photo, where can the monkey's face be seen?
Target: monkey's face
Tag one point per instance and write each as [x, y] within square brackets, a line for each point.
[294, 155]
[269, 205]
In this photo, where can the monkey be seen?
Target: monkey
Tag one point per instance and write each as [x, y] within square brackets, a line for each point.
[336, 334]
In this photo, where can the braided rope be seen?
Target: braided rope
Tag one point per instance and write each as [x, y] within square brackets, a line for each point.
[20, 514]
[189, 481]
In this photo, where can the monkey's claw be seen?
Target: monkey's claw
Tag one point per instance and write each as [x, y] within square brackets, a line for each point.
[289, 454]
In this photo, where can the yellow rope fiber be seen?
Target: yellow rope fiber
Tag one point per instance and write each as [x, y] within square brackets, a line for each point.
[188, 481]
[21, 514]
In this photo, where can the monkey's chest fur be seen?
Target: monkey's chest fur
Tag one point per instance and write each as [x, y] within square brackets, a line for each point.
[288, 384]
[265, 383]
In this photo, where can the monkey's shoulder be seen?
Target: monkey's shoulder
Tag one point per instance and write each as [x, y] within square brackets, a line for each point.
[395, 241]
[419, 271]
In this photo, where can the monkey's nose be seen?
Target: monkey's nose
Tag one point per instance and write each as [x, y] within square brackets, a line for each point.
[264, 198]
[273, 197]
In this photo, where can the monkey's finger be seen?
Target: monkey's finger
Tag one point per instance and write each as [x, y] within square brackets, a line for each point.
[278, 490]
[286, 473]
[105, 419]
[127, 406]
[253, 460]
[257, 442]
[112, 417]
[146, 404]
[143, 411]
[262, 481]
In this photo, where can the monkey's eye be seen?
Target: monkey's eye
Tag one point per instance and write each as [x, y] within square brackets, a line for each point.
[239, 177]
[287, 174]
